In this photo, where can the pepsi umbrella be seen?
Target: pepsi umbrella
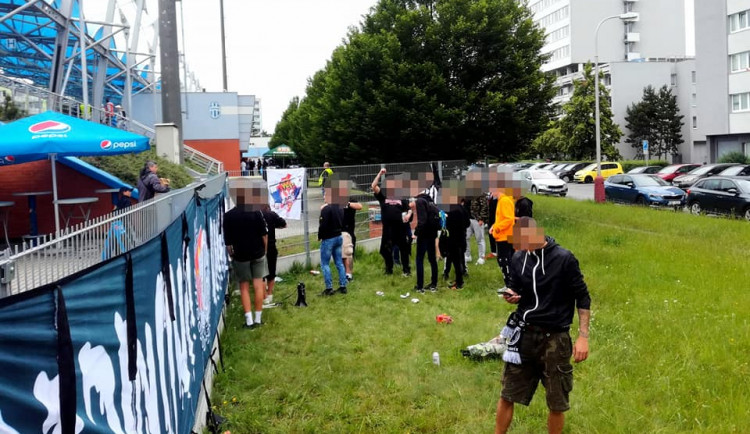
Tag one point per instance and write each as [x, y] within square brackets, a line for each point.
[53, 135]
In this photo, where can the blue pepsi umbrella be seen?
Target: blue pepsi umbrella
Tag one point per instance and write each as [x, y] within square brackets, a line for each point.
[53, 135]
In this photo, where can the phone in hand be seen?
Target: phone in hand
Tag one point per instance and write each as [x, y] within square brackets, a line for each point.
[505, 292]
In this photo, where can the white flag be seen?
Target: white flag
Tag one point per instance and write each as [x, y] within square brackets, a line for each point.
[285, 188]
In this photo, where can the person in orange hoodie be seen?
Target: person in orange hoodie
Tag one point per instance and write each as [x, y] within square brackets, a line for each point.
[502, 229]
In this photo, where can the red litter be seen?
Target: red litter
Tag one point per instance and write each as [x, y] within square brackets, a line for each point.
[444, 318]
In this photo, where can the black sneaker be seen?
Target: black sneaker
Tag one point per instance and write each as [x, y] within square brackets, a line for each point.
[419, 290]
[432, 288]
[342, 289]
[256, 325]
[328, 291]
[388, 272]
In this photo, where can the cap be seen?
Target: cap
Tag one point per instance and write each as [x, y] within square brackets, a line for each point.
[124, 189]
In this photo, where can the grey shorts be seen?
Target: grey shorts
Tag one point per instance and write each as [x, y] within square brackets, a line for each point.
[247, 271]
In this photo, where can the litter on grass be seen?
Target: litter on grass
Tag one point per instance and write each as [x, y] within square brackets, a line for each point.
[380, 293]
[444, 318]
[415, 300]
[405, 295]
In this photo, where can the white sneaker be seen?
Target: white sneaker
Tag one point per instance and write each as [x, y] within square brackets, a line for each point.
[480, 261]
[270, 305]
[467, 259]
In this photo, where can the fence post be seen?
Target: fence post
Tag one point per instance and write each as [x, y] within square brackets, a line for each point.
[308, 260]
[440, 170]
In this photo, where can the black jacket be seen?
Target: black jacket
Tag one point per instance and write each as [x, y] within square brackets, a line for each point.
[456, 221]
[550, 284]
[422, 203]
[331, 222]
[149, 185]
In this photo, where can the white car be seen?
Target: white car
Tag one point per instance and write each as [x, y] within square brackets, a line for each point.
[543, 182]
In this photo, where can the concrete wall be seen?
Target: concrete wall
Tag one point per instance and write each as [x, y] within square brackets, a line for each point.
[224, 150]
[684, 90]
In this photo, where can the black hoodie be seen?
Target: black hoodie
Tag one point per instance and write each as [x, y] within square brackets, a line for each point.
[550, 284]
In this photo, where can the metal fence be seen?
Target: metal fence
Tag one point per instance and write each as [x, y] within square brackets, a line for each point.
[28, 266]
[301, 235]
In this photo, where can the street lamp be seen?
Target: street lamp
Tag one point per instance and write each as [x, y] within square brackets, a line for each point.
[599, 181]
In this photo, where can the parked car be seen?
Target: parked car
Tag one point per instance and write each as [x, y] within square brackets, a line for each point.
[720, 194]
[588, 173]
[557, 167]
[645, 169]
[672, 171]
[520, 166]
[543, 182]
[537, 166]
[567, 172]
[690, 178]
[741, 170]
[643, 189]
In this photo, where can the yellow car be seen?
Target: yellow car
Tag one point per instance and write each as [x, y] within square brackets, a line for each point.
[588, 173]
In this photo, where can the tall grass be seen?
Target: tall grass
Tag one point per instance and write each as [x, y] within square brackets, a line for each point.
[669, 342]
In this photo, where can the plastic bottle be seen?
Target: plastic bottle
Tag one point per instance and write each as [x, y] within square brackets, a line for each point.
[436, 358]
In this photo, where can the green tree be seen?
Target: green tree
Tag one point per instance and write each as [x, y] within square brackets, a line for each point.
[578, 124]
[426, 79]
[655, 118]
[550, 144]
[9, 111]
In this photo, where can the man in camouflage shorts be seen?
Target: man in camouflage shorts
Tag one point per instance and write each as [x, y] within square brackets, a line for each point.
[546, 283]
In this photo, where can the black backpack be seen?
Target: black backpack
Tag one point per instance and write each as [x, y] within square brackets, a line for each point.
[433, 223]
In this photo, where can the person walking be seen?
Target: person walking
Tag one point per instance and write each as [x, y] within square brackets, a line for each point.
[246, 238]
[149, 182]
[273, 222]
[329, 233]
[547, 285]
[392, 218]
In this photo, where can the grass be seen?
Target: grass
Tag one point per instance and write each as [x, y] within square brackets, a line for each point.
[669, 339]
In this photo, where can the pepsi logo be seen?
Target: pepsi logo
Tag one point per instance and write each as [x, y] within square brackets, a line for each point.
[110, 145]
[49, 127]
[106, 144]
[10, 159]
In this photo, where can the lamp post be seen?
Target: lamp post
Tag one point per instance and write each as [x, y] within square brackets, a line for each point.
[599, 181]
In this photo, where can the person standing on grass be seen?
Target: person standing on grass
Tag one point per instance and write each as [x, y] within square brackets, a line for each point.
[349, 236]
[246, 238]
[491, 210]
[329, 233]
[273, 222]
[547, 285]
[502, 229]
[456, 222]
[428, 225]
[478, 209]
[391, 216]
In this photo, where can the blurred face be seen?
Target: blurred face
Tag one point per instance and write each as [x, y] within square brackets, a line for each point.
[250, 195]
[338, 193]
[528, 238]
[127, 193]
[451, 194]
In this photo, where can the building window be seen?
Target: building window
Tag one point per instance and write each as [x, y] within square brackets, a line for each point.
[542, 4]
[740, 62]
[560, 53]
[673, 79]
[693, 77]
[739, 21]
[693, 99]
[740, 102]
[695, 122]
[558, 34]
[628, 7]
[554, 17]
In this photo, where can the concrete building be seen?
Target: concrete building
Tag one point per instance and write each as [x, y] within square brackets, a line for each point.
[218, 124]
[722, 121]
[654, 49]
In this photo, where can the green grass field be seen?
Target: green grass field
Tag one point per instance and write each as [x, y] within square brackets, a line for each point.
[669, 339]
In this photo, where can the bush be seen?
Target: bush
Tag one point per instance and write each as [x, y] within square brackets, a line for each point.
[627, 165]
[735, 157]
[128, 166]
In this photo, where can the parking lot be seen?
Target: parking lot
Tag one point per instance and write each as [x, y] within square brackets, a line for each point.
[580, 191]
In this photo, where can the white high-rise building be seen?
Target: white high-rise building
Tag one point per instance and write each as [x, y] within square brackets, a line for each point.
[722, 121]
[654, 49]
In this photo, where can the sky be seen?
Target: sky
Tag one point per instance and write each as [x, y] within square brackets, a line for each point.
[273, 46]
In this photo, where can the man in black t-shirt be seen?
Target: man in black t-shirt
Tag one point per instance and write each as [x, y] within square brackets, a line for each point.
[246, 238]
[329, 234]
[394, 231]
[273, 222]
[350, 213]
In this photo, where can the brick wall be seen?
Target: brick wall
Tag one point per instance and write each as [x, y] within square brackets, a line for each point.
[226, 150]
[37, 176]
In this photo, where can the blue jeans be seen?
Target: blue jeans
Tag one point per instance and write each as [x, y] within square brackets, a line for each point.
[332, 247]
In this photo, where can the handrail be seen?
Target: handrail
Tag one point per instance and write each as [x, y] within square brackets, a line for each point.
[85, 245]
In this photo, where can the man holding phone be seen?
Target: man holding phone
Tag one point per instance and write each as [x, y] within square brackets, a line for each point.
[546, 283]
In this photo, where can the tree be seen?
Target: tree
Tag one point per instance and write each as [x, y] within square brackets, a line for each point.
[9, 111]
[550, 144]
[655, 118]
[423, 80]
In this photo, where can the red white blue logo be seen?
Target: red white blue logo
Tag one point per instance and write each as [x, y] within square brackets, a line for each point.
[50, 127]
[106, 144]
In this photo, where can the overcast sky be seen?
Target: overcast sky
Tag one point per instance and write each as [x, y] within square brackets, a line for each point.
[273, 46]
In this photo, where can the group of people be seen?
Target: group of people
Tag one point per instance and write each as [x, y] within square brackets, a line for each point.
[250, 237]
[254, 167]
[543, 279]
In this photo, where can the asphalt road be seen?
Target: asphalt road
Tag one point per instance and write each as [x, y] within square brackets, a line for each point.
[580, 191]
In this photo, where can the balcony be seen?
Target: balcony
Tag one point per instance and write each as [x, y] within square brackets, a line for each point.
[632, 37]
